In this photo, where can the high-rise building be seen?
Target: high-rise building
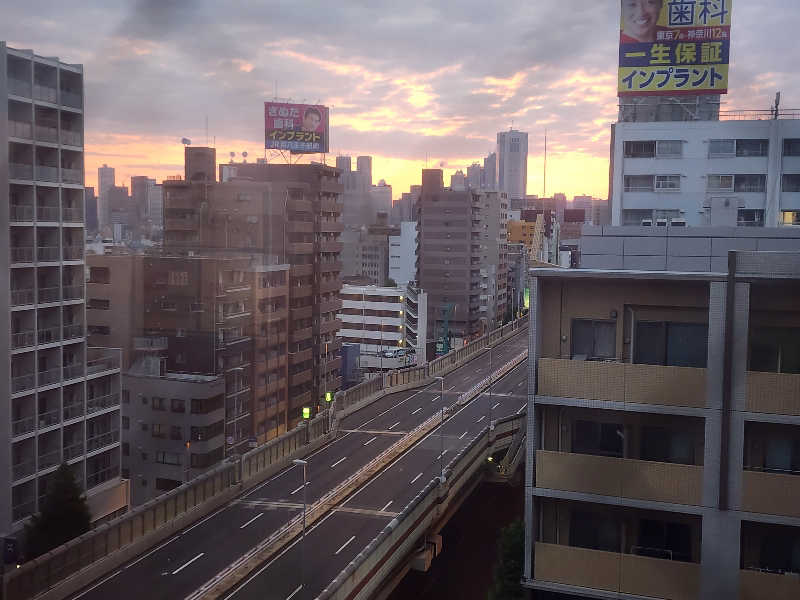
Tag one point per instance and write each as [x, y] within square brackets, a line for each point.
[344, 164]
[512, 163]
[474, 178]
[364, 167]
[90, 211]
[359, 206]
[662, 431]
[403, 254]
[489, 173]
[62, 398]
[380, 197]
[105, 180]
[458, 181]
[155, 206]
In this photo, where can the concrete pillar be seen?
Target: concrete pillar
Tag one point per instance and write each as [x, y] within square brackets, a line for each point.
[534, 343]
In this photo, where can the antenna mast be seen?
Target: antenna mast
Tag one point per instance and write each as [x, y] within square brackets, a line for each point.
[544, 193]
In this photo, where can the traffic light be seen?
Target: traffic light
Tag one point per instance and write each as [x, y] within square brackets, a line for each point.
[306, 412]
[328, 396]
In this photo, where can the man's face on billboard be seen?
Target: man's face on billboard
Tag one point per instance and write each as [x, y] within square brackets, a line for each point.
[311, 121]
[640, 18]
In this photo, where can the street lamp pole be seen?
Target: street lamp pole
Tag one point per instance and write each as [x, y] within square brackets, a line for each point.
[304, 464]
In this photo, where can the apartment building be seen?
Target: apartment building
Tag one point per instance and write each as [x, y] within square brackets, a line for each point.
[730, 172]
[663, 431]
[494, 263]
[62, 403]
[403, 253]
[416, 321]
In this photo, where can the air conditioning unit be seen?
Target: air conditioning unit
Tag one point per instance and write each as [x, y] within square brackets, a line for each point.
[647, 222]
[661, 222]
[678, 223]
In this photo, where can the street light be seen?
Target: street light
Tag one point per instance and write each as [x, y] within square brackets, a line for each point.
[304, 463]
[441, 432]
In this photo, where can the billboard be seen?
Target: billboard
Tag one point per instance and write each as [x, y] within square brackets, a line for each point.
[298, 128]
[673, 47]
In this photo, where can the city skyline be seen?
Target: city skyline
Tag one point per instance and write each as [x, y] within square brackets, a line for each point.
[151, 80]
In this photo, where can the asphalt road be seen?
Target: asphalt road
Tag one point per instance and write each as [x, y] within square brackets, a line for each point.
[187, 560]
[304, 569]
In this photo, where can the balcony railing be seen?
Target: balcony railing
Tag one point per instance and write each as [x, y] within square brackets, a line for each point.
[98, 477]
[19, 87]
[757, 585]
[49, 376]
[21, 383]
[45, 133]
[771, 493]
[73, 411]
[73, 331]
[773, 393]
[72, 215]
[73, 451]
[49, 459]
[73, 292]
[20, 129]
[622, 382]
[99, 403]
[21, 254]
[614, 572]
[102, 363]
[101, 441]
[71, 138]
[48, 335]
[23, 425]
[20, 171]
[48, 253]
[25, 509]
[23, 339]
[150, 343]
[45, 92]
[49, 294]
[46, 173]
[48, 213]
[20, 213]
[74, 371]
[73, 252]
[71, 99]
[72, 175]
[23, 469]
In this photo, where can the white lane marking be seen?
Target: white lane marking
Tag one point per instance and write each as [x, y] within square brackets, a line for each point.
[251, 520]
[521, 383]
[441, 455]
[297, 490]
[343, 546]
[184, 565]
[386, 505]
[450, 388]
[338, 461]
[461, 437]
[521, 408]
[368, 442]
[481, 419]
[416, 411]
[495, 406]
[290, 596]
[415, 478]
[395, 425]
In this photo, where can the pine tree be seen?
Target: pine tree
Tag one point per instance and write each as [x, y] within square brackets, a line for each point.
[64, 515]
[508, 568]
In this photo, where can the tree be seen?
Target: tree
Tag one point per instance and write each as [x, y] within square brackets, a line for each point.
[390, 282]
[508, 567]
[64, 515]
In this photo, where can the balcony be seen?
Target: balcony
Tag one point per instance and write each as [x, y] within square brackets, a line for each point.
[330, 326]
[186, 224]
[331, 227]
[48, 295]
[46, 173]
[300, 227]
[73, 451]
[72, 215]
[72, 176]
[100, 362]
[45, 93]
[622, 573]
[22, 383]
[151, 343]
[102, 440]
[73, 292]
[20, 213]
[300, 335]
[300, 248]
[300, 377]
[21, 254]
[71, 138]
[233, 287]
[45, 133]
[49, 335]
[49, 459]
[301, 312]
[330, 306]
[48, 253]
[332, 285]
[619, 477]
[331, 246]
[71, 99]
[301, 270]
[23, 426]
[50, 214]
[771, 493]
[23, 469]
[74, 371]
[73, 411]
[301, 291]
[73, 331]
[295, 358]
[49, 377]
[20, 129]
[330, 266]
[23, 339]
[773, 393]
[622, 382]
[73, 252]
[20, 171]
[99, 403]
[273, 291]
[757, 585]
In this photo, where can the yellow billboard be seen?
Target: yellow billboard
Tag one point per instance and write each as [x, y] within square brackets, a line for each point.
[671, 47]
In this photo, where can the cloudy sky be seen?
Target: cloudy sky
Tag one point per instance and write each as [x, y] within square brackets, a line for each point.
[411, 83]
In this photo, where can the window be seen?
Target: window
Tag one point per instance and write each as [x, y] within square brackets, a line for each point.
[791, 183]
[721, 148]
[165, 485]
[126, 422]
[593, 340]
[98, 304]
[670, 183]
[640, 149]
[168, 458]
[671, 344]
[602, 439]
[98, 329]
[159, 403]
[143, 456]
[639, 183]
[664, 445]
[126, 396]
[669, 148]
[99, 275]
[660, 539]
[750, 217]
[775, 350]
[791, 147]
[752, 147]
[594, 531]
[126, 449]
[159, 430]
[750, 183]
[176, 432]
[168, 305]
[720, 183]
[179, 332]
[791, 217]
[178, 405]
[178, 278]
[196, 307]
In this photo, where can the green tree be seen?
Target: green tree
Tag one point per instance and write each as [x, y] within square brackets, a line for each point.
[508, 567]
[64, 515]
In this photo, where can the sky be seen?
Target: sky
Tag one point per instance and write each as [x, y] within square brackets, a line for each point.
[413, 84]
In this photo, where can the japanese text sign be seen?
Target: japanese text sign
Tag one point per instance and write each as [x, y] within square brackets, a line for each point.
[298, 128]
[671, 47]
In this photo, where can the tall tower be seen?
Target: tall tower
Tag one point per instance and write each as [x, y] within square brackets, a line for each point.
[512, 163]
[105, 180]
[62, 398]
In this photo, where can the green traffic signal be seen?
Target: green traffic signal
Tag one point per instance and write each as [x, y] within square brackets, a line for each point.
[328, 396]
[306, 412]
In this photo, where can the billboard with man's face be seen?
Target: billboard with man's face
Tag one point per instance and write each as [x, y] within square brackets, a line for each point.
[298, 128]
[673, 47]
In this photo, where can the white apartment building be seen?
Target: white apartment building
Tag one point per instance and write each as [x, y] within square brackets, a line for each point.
[512, 163]
[403, 254]
[707, 173]
[62, 399]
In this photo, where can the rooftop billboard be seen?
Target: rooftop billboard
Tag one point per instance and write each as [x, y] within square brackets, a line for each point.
[672, 47]
[298, 128]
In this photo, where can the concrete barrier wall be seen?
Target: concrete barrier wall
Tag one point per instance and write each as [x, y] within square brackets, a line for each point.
[70, 567]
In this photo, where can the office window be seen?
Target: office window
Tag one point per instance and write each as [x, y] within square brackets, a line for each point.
[671, 183]
[791, 217]
[721, 148]
[791, 147]
[752, 147]
[602, 439]
[645, 149]
[639, 183]
[791, 183]
[720, 183]
[593, 340]
[671, 344]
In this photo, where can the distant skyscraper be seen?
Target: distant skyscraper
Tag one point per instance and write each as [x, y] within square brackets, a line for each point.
[364, 167]
[458, 181]
[90, 210]
[105, 180]
[512, 163]
[474, 176]
[489, 173]
[344, 163]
